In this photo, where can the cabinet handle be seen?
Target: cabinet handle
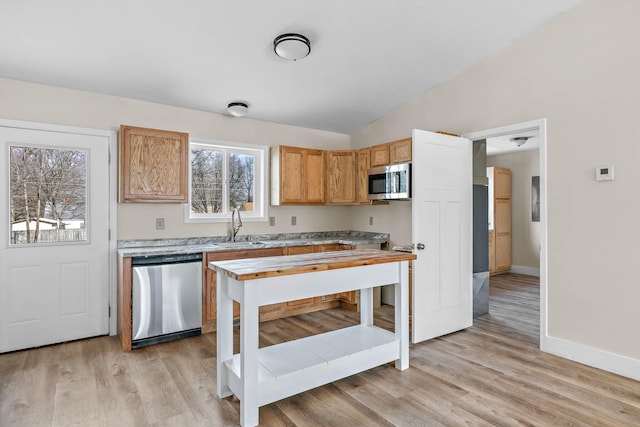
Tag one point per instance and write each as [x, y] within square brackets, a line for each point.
[420, 246]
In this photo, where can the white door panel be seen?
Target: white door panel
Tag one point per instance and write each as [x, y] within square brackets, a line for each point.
[442, 222]
[55, 292]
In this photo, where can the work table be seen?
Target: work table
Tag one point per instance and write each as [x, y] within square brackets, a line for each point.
[257, 268]
[258, 377]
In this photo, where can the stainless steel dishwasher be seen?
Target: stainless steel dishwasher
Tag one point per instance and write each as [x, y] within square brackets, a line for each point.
[166, 298]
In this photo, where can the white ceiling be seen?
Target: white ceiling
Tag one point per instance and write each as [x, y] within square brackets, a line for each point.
[502, 144]
[368, 56]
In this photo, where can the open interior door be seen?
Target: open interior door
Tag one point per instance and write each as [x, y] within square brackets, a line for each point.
[442, 228]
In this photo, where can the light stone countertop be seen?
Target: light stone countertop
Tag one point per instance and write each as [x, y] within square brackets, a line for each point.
[134, 248]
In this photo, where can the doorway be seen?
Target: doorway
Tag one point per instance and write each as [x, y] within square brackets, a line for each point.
[56, 263]
[503, 135]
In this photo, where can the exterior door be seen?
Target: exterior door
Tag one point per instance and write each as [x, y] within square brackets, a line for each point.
[54, 236]
[442, 234]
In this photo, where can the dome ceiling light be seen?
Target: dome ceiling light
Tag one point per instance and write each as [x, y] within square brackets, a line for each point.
[291, 46]
[238, 109]
[520, 140]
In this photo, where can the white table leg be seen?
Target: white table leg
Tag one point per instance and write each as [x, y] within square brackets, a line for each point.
[402, 315]
[249, 353]
[224, 333]
[366, 306]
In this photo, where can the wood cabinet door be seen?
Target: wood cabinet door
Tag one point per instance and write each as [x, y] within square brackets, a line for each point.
[291, 183]
[492, 251]
[362, 181]
[380, 155]
[500, 238]
[341, 177]
[502, 216]
[501, 183]
[152, 165]
[400, 151]
[350, 297]
[503, 252]
[314, 174]
[296, 250]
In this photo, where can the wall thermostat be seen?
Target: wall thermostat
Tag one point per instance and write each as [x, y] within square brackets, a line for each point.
[604, 173]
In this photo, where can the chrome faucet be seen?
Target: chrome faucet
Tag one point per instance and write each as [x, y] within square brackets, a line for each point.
[235, 227]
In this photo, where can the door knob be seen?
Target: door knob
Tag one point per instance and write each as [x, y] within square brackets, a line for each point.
[420, 246]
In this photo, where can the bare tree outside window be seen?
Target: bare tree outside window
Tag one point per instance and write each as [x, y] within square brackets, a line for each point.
[209, 191]
[241, 173]
[206, 180]
[48, 190]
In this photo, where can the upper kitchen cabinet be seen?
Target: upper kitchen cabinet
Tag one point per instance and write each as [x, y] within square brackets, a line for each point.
[391, 152]
[341, 177]
[362, 184]
[379, 155]
[400, 151]
[297, 176]
[152, 165]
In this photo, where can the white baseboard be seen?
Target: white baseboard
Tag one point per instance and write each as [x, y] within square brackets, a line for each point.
[621, 365]
[521, 269]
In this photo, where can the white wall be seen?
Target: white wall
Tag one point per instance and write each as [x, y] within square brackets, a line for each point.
[38, 103]
[525, 234]
[579, 71]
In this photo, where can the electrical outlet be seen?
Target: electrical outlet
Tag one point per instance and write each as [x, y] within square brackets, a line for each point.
[370, 220]
[294, 220]
[272, 221]
[159, 223]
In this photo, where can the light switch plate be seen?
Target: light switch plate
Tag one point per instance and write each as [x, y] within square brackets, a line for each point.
[272, 221]
[294, 220]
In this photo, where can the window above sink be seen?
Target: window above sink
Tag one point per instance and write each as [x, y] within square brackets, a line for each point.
[225, 175]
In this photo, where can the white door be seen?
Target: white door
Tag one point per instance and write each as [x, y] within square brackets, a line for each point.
[442, 234]
[54, 277]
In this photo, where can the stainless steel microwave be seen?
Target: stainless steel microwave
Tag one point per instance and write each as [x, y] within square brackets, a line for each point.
[391, 182]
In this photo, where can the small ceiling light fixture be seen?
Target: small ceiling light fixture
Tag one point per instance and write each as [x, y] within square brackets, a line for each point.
[520, 140]
[238, 109]
[291, 46]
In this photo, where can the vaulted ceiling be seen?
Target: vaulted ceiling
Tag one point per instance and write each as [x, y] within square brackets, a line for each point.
[368, 57]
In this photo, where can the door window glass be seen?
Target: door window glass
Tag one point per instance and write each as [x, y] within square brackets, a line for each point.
[48, 192]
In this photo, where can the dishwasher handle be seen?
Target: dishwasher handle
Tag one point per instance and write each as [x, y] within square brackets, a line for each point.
[166, 259]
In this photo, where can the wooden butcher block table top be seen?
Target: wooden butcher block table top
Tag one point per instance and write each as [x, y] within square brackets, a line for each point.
[259, 268]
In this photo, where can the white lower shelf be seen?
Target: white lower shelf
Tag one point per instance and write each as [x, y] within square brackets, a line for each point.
[295, 366]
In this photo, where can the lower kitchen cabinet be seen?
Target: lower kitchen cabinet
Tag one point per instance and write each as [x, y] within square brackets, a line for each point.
[209, 302]
[297, 250]
[272, 311]
[348, 300]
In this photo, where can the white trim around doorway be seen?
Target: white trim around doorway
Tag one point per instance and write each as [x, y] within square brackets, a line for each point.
[539, 125]
[112, 136]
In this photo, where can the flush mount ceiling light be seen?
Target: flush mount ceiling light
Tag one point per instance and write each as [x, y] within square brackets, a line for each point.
[520, 140]
[292, 46]
[237, 109]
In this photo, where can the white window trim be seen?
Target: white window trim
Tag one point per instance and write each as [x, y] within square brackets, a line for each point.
[261, 176]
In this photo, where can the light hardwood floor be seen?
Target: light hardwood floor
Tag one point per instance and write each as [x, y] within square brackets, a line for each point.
[489, 374]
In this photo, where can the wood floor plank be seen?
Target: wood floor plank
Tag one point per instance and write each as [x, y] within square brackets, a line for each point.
[490, 374]
[397, 411]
